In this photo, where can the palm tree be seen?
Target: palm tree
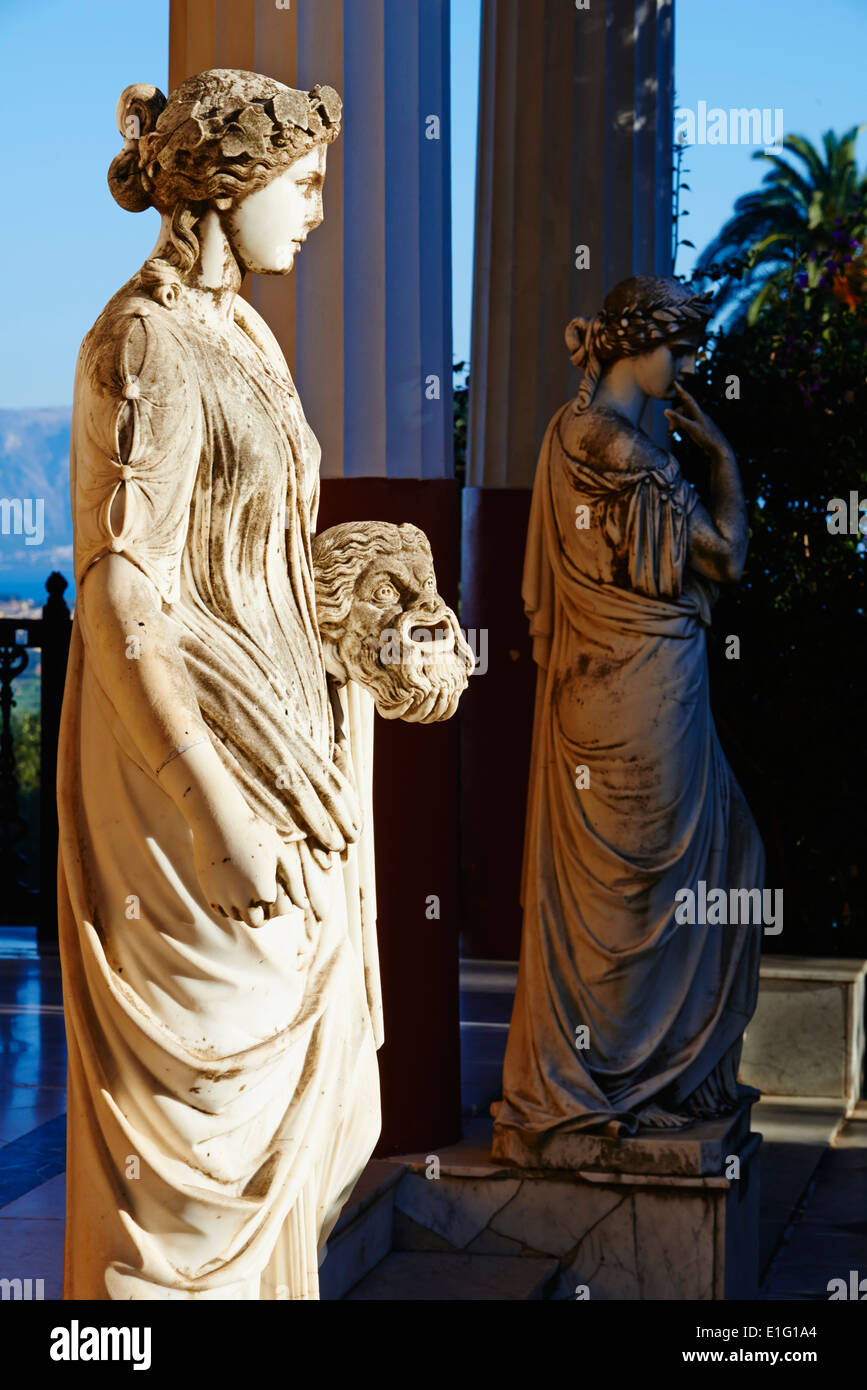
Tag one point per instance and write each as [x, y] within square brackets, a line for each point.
[795, 216]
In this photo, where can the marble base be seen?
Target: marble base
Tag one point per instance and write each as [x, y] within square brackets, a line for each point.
[806, 1038]
[695, 1151]
[621, 1234]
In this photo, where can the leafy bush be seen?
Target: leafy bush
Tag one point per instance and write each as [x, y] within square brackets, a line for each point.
[789, 711]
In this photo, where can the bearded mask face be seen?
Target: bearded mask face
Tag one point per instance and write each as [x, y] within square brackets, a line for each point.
[383, 623]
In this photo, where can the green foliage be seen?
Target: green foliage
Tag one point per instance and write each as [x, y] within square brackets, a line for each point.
[789, 711]
[26, 728]
[796, 212]
[26, 733]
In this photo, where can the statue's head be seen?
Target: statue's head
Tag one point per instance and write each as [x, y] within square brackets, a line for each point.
[235, 143]
[657, 322]
[383, 623]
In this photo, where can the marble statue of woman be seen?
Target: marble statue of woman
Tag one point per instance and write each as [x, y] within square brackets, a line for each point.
[624, 1017]
[216, 886]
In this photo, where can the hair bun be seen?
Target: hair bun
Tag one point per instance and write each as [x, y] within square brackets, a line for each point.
[577, 340]
[137, 112]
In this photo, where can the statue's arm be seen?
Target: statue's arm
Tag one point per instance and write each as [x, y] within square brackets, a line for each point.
[137, 446]
[718, 535]
[138, 663]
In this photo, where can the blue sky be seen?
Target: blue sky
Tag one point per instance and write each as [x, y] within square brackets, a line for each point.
[804, 57]
[66, 246]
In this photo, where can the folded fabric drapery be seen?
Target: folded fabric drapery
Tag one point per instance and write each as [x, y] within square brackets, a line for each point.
[630, 799]
[223, 1086]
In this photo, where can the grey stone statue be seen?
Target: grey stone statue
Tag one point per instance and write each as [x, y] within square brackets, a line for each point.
[626, 1015]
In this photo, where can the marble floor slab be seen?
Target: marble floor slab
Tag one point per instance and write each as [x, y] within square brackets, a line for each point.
[32, 1248]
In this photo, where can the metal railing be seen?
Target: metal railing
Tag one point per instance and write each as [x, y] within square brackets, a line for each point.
[25, 896]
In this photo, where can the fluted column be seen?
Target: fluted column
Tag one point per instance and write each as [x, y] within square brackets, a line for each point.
[575, 151]
[365, 319]
[365, 324]
[575, 137]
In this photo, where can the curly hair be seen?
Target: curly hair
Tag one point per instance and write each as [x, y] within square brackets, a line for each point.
[639, 314]
[220, 135]
[342, 551]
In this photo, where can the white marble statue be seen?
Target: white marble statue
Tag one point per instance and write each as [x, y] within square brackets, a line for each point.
[216, 877]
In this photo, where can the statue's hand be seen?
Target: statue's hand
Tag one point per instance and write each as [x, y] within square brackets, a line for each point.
[691, 420]
[303, 870]
[247, 873]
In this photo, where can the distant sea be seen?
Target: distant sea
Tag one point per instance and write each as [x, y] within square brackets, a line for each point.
[27, 587]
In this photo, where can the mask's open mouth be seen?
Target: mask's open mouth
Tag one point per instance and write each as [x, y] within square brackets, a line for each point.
[433, 638]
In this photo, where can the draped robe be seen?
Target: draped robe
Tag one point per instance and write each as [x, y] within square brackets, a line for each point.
[223, 1086]
[618, 1004]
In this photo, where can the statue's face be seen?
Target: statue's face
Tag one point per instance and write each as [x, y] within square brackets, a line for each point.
[267, 228]
[400, 640]
[657, 371]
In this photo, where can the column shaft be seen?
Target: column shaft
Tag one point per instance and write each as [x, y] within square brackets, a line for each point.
[365, 324]
[575, 137]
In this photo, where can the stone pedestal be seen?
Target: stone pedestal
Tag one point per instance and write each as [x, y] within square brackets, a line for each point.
[806, 1038]
[700, 1150]
[648, 1218]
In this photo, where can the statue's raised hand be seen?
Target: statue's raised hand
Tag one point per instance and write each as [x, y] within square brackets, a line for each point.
[691, 420]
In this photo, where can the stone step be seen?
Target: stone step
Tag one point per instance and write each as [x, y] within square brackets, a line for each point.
[806, 1038]
[363, 1235]
[422, 1276]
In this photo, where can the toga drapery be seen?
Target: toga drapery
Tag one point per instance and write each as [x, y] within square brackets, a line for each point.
[630, 800]
[222, 1100]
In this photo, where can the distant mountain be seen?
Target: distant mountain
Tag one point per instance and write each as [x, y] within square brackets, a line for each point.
[34, 467]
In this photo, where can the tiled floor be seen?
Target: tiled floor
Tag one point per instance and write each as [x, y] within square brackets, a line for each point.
[32, 1113]
[827, 1237]
[813, 1175]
